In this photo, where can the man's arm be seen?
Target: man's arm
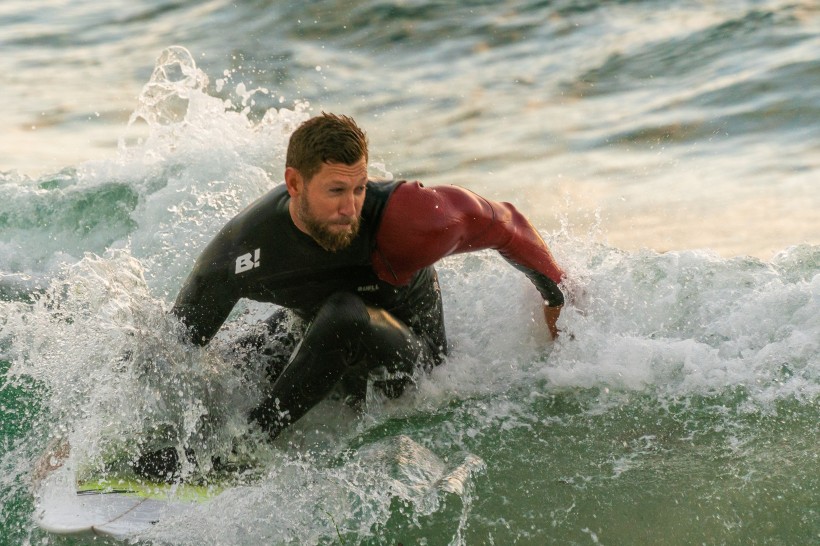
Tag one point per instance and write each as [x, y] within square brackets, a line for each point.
[422, 225]
[202, 307]
[207, 297]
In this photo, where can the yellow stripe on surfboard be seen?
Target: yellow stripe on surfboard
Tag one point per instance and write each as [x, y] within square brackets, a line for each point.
[150, 490]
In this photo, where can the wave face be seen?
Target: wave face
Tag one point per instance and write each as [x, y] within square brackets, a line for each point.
[667, 153]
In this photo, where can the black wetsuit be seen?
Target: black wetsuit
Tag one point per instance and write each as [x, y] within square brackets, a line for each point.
[356, 322]
[373, 304]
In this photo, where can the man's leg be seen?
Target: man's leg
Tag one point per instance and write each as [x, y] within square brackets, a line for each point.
[345, 338]
[275, 345]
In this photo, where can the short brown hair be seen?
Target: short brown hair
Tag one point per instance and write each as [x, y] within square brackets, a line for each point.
[328, 138]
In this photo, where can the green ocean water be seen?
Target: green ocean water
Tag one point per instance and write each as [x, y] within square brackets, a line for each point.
[625, 434]
[699, 469]
[18, 409]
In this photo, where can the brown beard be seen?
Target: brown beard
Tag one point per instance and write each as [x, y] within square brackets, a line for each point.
[329, 240]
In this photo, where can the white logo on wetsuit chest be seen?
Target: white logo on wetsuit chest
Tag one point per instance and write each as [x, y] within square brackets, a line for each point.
[248, 261]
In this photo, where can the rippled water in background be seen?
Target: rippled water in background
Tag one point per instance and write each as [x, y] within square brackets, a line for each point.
[669, 151]
[687, 124]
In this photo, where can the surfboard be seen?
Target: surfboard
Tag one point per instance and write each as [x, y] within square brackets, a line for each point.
[116, 508]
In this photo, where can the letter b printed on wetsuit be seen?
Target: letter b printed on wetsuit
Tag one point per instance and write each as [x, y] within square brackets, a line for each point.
[246, 262]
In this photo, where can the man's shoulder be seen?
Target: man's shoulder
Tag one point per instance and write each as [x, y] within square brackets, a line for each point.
[434, 208]
[275, 199]
[382, 188]
[247, 226]
[376, 198]
[266, 208]
[439, 218]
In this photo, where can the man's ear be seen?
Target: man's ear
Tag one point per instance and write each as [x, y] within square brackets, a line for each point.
[294, 182]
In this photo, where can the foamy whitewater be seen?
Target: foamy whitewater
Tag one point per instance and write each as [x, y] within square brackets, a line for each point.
[681, 403]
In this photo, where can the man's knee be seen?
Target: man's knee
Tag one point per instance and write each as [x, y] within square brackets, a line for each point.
[342, 313]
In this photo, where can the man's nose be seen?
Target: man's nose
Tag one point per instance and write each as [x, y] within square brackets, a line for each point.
[348, 205]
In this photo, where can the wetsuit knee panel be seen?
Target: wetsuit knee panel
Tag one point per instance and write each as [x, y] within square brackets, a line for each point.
[343, 313]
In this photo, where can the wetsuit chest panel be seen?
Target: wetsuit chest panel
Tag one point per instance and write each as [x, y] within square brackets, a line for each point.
[274, 261]
[261, 255]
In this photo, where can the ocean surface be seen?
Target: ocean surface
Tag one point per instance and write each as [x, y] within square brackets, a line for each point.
[668, 151]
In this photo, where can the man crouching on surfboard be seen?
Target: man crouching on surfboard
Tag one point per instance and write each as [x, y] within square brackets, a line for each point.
[352, 260]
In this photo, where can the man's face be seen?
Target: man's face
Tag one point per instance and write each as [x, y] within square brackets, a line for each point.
[328, 206]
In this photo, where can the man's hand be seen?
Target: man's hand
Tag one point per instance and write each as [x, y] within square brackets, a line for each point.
[551, 318]
[55, 455]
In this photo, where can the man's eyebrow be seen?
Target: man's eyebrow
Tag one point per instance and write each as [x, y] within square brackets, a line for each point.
[345, 184]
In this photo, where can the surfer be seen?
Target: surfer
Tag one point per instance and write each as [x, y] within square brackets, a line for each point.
[350, 263]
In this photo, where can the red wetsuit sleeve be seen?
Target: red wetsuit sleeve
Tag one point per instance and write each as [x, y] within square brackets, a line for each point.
[422, 225]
